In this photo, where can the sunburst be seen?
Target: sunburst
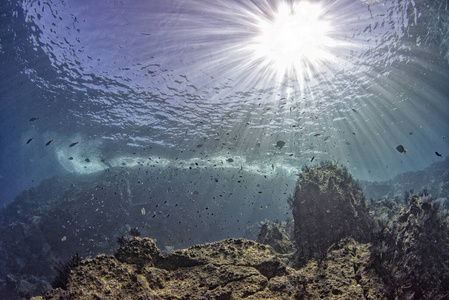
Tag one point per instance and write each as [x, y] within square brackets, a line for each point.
[295, 42]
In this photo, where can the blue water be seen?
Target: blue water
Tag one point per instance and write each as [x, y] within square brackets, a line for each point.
[129, 80]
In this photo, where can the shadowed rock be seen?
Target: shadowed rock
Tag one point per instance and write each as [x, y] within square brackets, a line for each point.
[328, 205]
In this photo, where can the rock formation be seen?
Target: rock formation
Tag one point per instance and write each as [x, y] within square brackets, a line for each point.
[328, 205]
[413, 254]
[229, 269]
[277, 236]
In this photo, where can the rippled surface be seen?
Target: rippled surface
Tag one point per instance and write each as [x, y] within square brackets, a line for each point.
[175, 80]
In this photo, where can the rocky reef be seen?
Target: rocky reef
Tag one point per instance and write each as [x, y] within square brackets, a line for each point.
[337, 247]
[412, 254]
[177, 207]
[229, 269]
[328, 205]
[434, 179]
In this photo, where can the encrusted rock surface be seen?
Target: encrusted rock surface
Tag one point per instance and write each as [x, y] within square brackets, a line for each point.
[229, 269]
[277, 236]
[328, 205]
[413, 255]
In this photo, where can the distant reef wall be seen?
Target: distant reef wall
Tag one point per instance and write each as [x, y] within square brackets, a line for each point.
[434, 180]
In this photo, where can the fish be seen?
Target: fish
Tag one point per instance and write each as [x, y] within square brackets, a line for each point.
[34, 119]
[439, 154]
[229, 160]
[354, 110]
[73, 144]
[87, 160]
[312, 159]
[279, 145]
[317, 134]
[49, 142]
[70, 158]
[29, 140]
[401, 149]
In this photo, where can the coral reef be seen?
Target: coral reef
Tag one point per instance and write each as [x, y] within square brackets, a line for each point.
[328, 205]
[229, 269]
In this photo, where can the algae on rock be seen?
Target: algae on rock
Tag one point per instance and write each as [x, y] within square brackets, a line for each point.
[328, 205]
[229, 269]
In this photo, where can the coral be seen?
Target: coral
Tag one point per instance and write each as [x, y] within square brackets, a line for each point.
[328, 205]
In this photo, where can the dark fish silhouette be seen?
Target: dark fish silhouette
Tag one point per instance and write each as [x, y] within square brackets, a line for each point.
[87, 160]
[312, 159]
[401, 149]
[279, 145]
[70, 158]
[29, 140]
[34, 119]
[229, 160]
[317, 134]
[49, 142]
[439, 154]
[73, 144]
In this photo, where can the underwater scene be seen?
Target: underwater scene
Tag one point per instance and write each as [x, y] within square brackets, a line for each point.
[224, 149]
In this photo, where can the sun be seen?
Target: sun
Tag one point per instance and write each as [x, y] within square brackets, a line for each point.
[295, 42]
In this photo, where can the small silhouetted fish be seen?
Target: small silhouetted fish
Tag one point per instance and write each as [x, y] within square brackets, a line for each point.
[353, 109]
[279, 145]
[87, 160]
[70, 158]
[73, 144]
[317, 134]
[29, 140]
[312, 159]
[34, 119]
[411, 132]
[401, 149]
[49, 142]
[229, 160]
[439, 154]
[199, 145]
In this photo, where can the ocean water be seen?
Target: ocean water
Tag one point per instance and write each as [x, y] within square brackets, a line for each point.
[184, 82]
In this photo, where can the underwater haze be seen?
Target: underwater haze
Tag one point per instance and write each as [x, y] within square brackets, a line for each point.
[222, 86]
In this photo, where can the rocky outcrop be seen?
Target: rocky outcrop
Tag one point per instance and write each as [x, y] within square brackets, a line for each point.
[229, 269]
[413, 254]
[328, 205]
[277, 236]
